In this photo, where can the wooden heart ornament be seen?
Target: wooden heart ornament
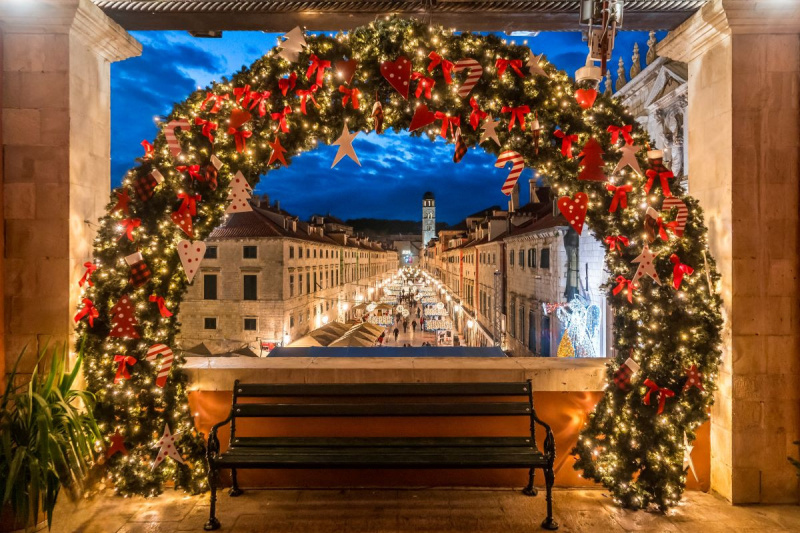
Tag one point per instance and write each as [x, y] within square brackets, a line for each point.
[345, 70]
[586, 97]
[398, 74]
[422, 117]
[191, 253]
[239, 117]
[574, 209]
[184, 221]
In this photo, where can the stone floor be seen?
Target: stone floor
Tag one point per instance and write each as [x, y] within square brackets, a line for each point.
[412, 511]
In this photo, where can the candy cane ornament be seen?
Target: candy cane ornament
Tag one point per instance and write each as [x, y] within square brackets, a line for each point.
[172, 139]
[153, 353]
[518, 164]
[475, 71]
[683, 213]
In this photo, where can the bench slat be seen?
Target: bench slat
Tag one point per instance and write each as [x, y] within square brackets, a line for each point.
[383, 389]
[386, 442]
[382, 409]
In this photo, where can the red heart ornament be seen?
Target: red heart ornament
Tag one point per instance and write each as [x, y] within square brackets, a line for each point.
[422, 117]
[239, 117]
[184, 221]
[574, 209]
[345, 70]
[585, 97]
[398, 74]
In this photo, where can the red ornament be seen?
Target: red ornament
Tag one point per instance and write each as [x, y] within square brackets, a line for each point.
[286, 84]
[517, 114]
[586, 97]
[304, 95]
[502, 64]
[422, 117]
[620, 196]
[694, 378]
[592, 162]
[617, 242]
[87, 276]
[447, 66]
[123, 362]
[622, 377]
[88, 311]
[183, 220]
[662, 393]
[218, 99]
[625, 131]
[117, 445]
[574, 209]
[122, 202]
[277, 152]
[148, 149]
[398, 74]
[477, 115]
[346, 70]
[679, 270]
[140, 273]
[624, 284]
[448, 122]
[461, 147]
[424, 84]
[680, 219]
[124, 322]
[566, 142]
[280, 116]
[208, 128]
[127, 226]
[349, 95]
[317, 65]
[162, 307]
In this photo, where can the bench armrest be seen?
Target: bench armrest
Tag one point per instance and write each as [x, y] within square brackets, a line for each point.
[212, 449]
[549, 439]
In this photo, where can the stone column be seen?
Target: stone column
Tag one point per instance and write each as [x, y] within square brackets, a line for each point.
[744, 135]
[56, 131]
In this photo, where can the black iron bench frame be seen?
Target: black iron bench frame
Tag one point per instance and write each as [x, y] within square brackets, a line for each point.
[372, 452]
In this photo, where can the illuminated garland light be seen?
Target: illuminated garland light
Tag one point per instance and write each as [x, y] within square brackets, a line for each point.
[626, 445]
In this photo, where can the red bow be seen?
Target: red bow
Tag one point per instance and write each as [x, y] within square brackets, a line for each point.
[260, 99]
[240, 136]
[217, 98]
[566, 143]
[87, 311]
[663, 177]
[162, 308]
[281, 116]
[624, 130]
[128, 225]
[284, 84]
[502, 64]
[148, 149]
[620, 196]
[622, 283]
[447, 122]
[477, 115]
[348, 95]
[87, 276]
[425, 84]
[447, 66]
[304, 94]
[662, 394]
[679, 270]
[122, 202]
[517, 113]
[617, 242]
[189, 203]
[662, 228]
[122, 367]
[319, 65]
[240, 92]
[192, 170]
[208, 127]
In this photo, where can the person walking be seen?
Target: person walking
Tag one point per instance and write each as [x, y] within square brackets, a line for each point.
[405, 326]
[396, 333]
[414, 326]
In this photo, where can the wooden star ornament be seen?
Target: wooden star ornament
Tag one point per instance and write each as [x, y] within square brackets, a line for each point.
[489, 132]
[646, 266]
[628, 158]
[117, 445]
[167, 448]
[534, 65]
[277, 152]
[345, 144]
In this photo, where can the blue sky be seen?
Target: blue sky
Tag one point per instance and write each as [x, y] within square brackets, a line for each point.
[396, 169]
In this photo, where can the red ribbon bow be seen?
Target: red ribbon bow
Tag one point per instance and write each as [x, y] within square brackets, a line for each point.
[349, 94]
[620, 196]
[148, 149]
[128, 225]
[622, 283]
[242, 95]
[447, 122]
[447, 66]
[281, 117]
[88, 311]
[502, 64]
[566, 143]
[189, 203]
[617, 242]
[240, 136]
[123, 361]
[192, 170]
[87, 276]
[624, 130]
[217, 99]
[122, 202]
[477, 115]
[319, 65]
[663, 177]
[162, 308]
[285, 84]
[679, 270]
[304, 94]
[662, 394]
[425, 84]
[208, 127]
[260, 99]
[662, 228]
[517, 113]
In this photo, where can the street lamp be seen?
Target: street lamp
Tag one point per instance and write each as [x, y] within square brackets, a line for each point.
[470, 324]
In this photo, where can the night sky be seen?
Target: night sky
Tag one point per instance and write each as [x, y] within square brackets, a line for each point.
[396, 169]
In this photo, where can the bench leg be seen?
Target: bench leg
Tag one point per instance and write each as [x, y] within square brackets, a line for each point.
[549, 478]
[530, 490]
[235, 490]
[212, 523]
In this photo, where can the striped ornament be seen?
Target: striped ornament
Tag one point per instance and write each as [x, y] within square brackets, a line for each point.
[474, 74]
[683, 213]
[153, 353]
[172, 139]
[516, 169]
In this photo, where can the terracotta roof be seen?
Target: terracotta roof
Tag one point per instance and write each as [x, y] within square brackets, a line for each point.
[546, 222]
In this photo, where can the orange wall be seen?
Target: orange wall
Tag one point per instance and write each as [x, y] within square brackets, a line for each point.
[564, 411]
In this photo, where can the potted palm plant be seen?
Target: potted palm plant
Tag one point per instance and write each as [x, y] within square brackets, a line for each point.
[47, 439]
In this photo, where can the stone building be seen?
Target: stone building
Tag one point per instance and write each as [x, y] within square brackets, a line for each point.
[428, 217]
[269, 277]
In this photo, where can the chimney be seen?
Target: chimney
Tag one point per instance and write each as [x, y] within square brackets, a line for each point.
[264, 201]
[513, 202]
[533, 187]
[277, 205]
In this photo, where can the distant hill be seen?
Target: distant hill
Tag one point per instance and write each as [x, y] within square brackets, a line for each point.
[377, 227]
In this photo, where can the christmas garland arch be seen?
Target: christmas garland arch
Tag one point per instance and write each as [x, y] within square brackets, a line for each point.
[404, 75]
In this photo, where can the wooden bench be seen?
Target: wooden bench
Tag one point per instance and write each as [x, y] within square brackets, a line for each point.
[382, 400]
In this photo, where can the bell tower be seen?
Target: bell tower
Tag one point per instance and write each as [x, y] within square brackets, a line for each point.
[428, 218]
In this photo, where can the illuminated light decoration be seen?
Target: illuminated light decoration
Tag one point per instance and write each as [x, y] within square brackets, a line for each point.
[664, 330]
[581, 322]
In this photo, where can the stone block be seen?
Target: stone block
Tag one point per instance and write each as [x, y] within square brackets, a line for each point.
[12, 89]
[55, 127]
[779, 485]
[32, 239]
[20, 200]
[746, 483]
[782, 277]
[52, 202]
[747, 415]
[44, 90]
[39, 316]
[24, 52]
[783, 354]
[21, 127]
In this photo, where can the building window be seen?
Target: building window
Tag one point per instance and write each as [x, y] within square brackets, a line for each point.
[532, 258]
[521, 258]
[522, 323]
[210, 287]
[291, 321]
[291, 285]
[315, 282]
[211, 252]
[250, 324]
[250, 252]
[250, 287]
[512, 315]
[315, 253]
[209, 323]
[291, 252]
[308, 283]
[544, 258]
[300, 284]
[511, 258]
